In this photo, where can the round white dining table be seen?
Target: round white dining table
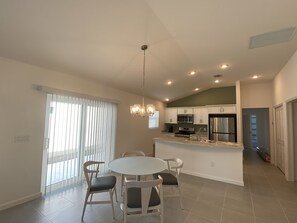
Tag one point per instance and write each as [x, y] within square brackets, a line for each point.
[137, 165]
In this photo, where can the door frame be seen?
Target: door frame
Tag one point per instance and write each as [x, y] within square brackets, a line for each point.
[284, 155]
[264, 127]
[291, 146]
[246, 121]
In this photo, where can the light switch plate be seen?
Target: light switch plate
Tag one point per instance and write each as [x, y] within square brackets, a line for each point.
[21, 139]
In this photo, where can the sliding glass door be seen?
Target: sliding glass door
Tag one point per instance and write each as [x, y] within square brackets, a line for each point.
[77, 130]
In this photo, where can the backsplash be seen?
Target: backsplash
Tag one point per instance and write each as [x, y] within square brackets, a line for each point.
[203, 128]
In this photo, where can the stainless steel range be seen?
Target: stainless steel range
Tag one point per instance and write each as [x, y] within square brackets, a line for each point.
[185, 132]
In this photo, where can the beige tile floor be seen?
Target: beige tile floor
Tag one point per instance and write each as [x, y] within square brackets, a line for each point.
[266, 198]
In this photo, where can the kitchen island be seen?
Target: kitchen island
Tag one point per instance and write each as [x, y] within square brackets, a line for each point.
[221, 161]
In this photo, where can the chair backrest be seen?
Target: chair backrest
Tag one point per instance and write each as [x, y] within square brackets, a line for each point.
[174, 164]
[133, 153]
[90, 169]
[146, 190]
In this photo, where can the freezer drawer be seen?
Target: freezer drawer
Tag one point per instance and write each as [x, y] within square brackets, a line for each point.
[225, 137]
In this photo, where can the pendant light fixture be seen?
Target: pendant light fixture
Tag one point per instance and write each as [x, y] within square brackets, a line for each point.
[141, 110]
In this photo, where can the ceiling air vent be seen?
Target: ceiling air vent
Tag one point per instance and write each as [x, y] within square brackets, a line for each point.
[271, 38]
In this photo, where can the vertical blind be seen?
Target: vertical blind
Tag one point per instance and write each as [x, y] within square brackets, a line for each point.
[77, 130]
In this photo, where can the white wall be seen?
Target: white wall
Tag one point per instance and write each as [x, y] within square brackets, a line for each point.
[257, 95]
[260, 95]
[294, 140]
[285, 82]
[239, 113]
[285, 91]
[22, 113]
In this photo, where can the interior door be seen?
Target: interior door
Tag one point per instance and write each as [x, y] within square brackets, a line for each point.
[279, 130]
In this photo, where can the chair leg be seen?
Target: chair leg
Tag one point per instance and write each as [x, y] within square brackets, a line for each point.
[162, 213]
[115, 193]
[122, 183]
[111, 200]
[85, 204]
[180, 197]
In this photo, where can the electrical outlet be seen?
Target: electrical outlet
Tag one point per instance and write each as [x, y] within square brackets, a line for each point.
[212, 164]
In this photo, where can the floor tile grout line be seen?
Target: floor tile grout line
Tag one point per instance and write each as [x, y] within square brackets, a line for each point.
[221, 220]
[274, 193]
[190, 211]
[197, 199]
[38, 211]
[253, 206]
[278, 200]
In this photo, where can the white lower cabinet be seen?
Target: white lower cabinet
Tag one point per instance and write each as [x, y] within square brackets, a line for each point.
[201, 116]
[171, 115]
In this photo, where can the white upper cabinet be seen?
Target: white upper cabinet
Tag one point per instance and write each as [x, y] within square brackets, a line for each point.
[201, 116]
[185, 110]
[224, 109]
[171, 115]
[200, 113]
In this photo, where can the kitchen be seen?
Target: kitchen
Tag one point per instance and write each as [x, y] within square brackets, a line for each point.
[198, 107]
[204, 136]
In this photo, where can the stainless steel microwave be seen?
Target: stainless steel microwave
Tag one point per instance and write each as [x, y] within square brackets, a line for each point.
[185, 118]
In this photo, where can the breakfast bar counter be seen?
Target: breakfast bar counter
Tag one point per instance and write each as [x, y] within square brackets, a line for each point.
[221, 161]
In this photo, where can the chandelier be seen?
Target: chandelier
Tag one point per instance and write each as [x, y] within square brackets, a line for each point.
[141, 110]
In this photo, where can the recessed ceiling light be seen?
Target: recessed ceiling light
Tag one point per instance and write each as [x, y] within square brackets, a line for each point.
[167, 99]
[169, 82]
[224, 66]
[196, 89]
[255, 76]
[192, 72]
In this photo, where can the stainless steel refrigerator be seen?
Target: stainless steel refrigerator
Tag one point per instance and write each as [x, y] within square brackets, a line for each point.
[222, 127]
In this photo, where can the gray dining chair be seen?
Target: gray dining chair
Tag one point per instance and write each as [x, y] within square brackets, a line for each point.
[98, 184]
[171, 177]
[143, 198]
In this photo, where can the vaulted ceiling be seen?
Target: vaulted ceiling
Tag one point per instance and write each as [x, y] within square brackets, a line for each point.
[101, 40]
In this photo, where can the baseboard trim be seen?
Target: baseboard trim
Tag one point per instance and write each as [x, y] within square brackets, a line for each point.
[19, 201]
[210, 177]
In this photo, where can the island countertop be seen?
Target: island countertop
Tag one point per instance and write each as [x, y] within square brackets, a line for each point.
[202, 143]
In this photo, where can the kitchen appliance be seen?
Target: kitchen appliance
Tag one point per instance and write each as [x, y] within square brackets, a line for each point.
[184, 132]
[222, 127]
[185, 118]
